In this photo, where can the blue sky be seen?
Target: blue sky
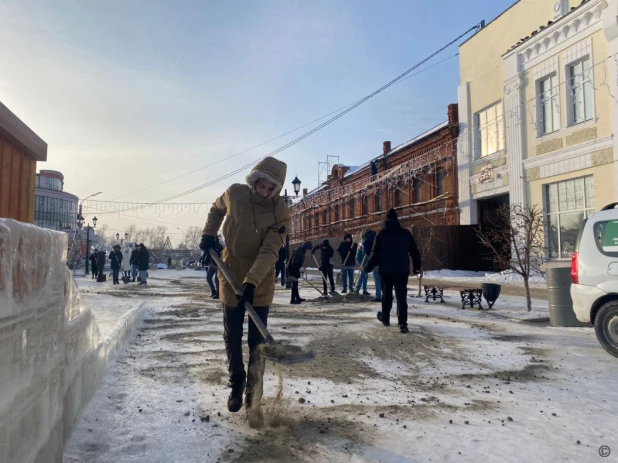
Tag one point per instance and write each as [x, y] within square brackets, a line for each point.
[132, 93]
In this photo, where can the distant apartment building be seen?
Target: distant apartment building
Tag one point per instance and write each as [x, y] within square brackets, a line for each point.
[54, 208]
[539, 115]
[20, 149]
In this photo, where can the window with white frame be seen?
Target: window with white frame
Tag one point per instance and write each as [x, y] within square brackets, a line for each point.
[490, 130]
[567, 204]
[549, 104]
[581, 91]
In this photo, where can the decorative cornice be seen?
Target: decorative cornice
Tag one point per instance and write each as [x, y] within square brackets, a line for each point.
[553, 35]
[569, 153]
[513, 84]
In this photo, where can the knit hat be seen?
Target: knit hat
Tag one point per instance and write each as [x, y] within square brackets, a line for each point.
[391, 214]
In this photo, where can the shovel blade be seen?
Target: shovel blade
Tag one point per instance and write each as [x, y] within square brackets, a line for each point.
[286, 354]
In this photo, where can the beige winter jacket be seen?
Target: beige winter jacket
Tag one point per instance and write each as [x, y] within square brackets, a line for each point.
[252, 232]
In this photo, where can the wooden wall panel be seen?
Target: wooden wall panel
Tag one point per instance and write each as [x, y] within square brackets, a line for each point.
[17, 182]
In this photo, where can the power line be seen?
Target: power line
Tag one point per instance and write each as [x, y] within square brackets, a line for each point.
[276, 138]
[321, 126]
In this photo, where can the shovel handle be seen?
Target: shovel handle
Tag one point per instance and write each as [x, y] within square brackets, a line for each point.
[320, 271]
[248, 307]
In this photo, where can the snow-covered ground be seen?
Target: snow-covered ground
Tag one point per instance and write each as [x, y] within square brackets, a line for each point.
[463, 385]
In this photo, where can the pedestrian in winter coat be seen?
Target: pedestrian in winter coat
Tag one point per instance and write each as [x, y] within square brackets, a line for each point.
[115, 262]
[257, 220]
[134, 262]
[126, 261]
[212, 273]
[143, 261]
[361, 260]
[326, 267]
[367, 239]
[101, 261]
[294, 267]
[280, 266]
[393, 248]
[347, 252]
[93, 264]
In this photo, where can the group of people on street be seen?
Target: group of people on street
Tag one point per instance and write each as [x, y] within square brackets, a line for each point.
[131, 262]
[257, 220]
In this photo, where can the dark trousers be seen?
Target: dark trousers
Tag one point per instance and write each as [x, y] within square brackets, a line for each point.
[295, 293]
[95, 271]
[210, 274]
[280, 270]
[115, 272]
[328, 273]
[400, 283]
[233, 321]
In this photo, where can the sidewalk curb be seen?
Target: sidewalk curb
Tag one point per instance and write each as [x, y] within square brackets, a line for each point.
[123, 328]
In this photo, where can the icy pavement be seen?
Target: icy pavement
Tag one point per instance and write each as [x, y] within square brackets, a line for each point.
[461, 386]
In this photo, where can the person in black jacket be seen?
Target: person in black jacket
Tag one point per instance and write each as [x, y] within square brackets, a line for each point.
[347, 252]
[295, 263]
[212, 272]
[392, 250]
[326, 267]
[115, 261]
[93, 264]
[101, 262]
[143, 260]
[134, 263]
[280, 265]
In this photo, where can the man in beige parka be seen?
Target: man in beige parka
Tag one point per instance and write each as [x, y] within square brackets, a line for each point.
[257, 220]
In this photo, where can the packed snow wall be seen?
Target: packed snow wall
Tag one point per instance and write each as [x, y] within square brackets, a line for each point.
[52, 355]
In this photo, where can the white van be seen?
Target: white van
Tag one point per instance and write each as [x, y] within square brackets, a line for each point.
[594, 276]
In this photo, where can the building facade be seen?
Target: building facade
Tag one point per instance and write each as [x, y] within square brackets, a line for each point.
[538, 115]
[417, 178]
[54, 208]
[20, 149]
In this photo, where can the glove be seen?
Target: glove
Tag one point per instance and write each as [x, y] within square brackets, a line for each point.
[417, 271]
[208, 242]
[368, 269]
[247, 295]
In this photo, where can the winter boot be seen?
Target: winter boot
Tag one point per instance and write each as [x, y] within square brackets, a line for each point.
[216, 296]
[365, 293]
[234, 402]
[381, 318]
[403, 329]
[376, 300]
[345, 291]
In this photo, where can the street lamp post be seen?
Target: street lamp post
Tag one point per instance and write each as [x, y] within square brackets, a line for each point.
[88, 228]
[80, 223]
[296, 184]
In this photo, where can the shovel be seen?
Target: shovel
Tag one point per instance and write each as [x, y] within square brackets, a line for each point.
[285, 354]
[362, 269]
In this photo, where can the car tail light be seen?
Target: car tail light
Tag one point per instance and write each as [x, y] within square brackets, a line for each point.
[574, 269]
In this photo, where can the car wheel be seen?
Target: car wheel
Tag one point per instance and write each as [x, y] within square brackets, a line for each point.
[606, 327]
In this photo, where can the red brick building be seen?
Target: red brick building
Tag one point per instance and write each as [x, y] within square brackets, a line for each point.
[417, 178]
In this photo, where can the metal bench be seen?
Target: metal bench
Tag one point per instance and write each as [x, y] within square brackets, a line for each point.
[469, 296]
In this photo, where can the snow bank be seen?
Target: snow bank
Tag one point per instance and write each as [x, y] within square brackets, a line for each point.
[486, 277]
[52, 355]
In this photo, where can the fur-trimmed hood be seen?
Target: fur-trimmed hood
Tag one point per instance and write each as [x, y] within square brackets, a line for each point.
[270, 169]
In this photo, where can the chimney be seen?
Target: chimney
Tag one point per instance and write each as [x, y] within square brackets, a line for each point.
[453, 113]
[304, 192]
[386, 148]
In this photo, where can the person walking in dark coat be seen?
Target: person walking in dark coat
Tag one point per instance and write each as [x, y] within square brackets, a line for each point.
[326, 267]
[101, 262]
[143, 260]
[294, 265]
[212, 272]
[280, 265]
[134, 262]
[392, 250]
[347, 252]
[93, 264]
[115, 262]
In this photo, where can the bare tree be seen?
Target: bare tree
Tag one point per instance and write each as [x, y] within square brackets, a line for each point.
[516, 242]
[103, 241]
[192, 237]
[131, 231]
[155, 237]
[74, 250]
[431, 249]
